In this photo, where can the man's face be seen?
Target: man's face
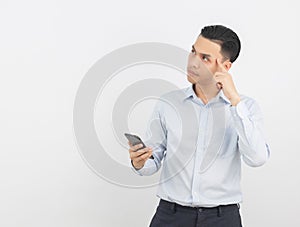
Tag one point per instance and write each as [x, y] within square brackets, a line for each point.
[202, 61]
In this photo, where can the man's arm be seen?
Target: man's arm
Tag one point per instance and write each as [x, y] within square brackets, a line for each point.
[156, 134]
[248, 122]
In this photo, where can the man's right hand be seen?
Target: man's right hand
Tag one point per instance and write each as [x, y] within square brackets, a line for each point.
[139, 157]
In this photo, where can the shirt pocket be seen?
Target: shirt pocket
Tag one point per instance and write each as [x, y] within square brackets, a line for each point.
[229, 144]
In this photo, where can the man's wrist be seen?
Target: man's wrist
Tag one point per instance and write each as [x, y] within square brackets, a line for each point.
[235, 101]
[137, 168]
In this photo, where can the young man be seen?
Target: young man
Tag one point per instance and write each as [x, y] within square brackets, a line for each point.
[200, 178]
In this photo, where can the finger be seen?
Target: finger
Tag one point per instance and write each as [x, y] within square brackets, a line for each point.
[218, 78]
[139, 152]
[135, 147]
[143, 157]
[221, 67]
[135, 155]
[220, 74]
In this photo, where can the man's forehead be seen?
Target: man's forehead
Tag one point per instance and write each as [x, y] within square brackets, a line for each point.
[206, 46]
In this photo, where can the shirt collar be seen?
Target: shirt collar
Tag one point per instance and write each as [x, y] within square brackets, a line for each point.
[189, 92]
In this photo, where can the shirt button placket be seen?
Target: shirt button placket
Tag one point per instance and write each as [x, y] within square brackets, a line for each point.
[199, 153]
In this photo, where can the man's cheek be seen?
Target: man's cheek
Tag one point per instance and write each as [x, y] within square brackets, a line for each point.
[203, 72]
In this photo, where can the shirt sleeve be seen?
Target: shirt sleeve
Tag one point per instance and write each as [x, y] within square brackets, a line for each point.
[156, 138]
[248, 122]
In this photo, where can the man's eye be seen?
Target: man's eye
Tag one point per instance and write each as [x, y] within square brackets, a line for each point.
[205, 58]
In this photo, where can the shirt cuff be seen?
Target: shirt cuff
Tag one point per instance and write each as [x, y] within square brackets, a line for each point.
[240, 111]
[137, 171]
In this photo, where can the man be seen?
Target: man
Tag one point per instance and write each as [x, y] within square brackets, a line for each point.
[200, 178]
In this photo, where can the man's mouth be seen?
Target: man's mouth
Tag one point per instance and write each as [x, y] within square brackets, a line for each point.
[192, 73]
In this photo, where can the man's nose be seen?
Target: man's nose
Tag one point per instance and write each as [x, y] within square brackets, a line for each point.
[194, 62]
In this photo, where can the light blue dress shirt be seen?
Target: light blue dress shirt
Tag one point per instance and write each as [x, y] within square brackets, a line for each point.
[200, 147]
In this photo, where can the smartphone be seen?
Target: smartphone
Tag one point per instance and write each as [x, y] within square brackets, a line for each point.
[134, 140]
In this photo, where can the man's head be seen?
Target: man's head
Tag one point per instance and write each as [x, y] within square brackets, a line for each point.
[228, 39]
[215, 41]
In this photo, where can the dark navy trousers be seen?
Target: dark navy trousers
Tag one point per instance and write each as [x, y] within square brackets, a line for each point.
[169, 214]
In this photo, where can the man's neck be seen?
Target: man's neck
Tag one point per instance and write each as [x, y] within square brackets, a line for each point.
[205, 92]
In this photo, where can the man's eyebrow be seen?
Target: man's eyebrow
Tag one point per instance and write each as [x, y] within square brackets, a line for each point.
[203, 54]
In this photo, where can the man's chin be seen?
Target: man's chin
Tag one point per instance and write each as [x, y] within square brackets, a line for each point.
[191, 80]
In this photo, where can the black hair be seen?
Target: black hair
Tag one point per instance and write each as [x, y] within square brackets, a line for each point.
[228, 39]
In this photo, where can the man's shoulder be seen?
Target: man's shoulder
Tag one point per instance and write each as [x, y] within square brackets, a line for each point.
[250, 102]
[247, 99]
[174, 94]
[172, 98]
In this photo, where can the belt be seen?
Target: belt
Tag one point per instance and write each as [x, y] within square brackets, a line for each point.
[175, 206]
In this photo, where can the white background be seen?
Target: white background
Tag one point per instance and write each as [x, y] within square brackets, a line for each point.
[47, 47]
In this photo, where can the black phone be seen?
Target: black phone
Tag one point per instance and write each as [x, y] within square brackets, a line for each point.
[134, 140]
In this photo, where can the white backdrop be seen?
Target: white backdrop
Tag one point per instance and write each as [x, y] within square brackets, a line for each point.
[47, 47]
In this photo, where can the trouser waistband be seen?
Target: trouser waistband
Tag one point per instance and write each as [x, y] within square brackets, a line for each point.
[175, 206]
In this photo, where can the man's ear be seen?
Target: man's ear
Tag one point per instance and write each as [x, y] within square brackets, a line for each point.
[227, 65]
